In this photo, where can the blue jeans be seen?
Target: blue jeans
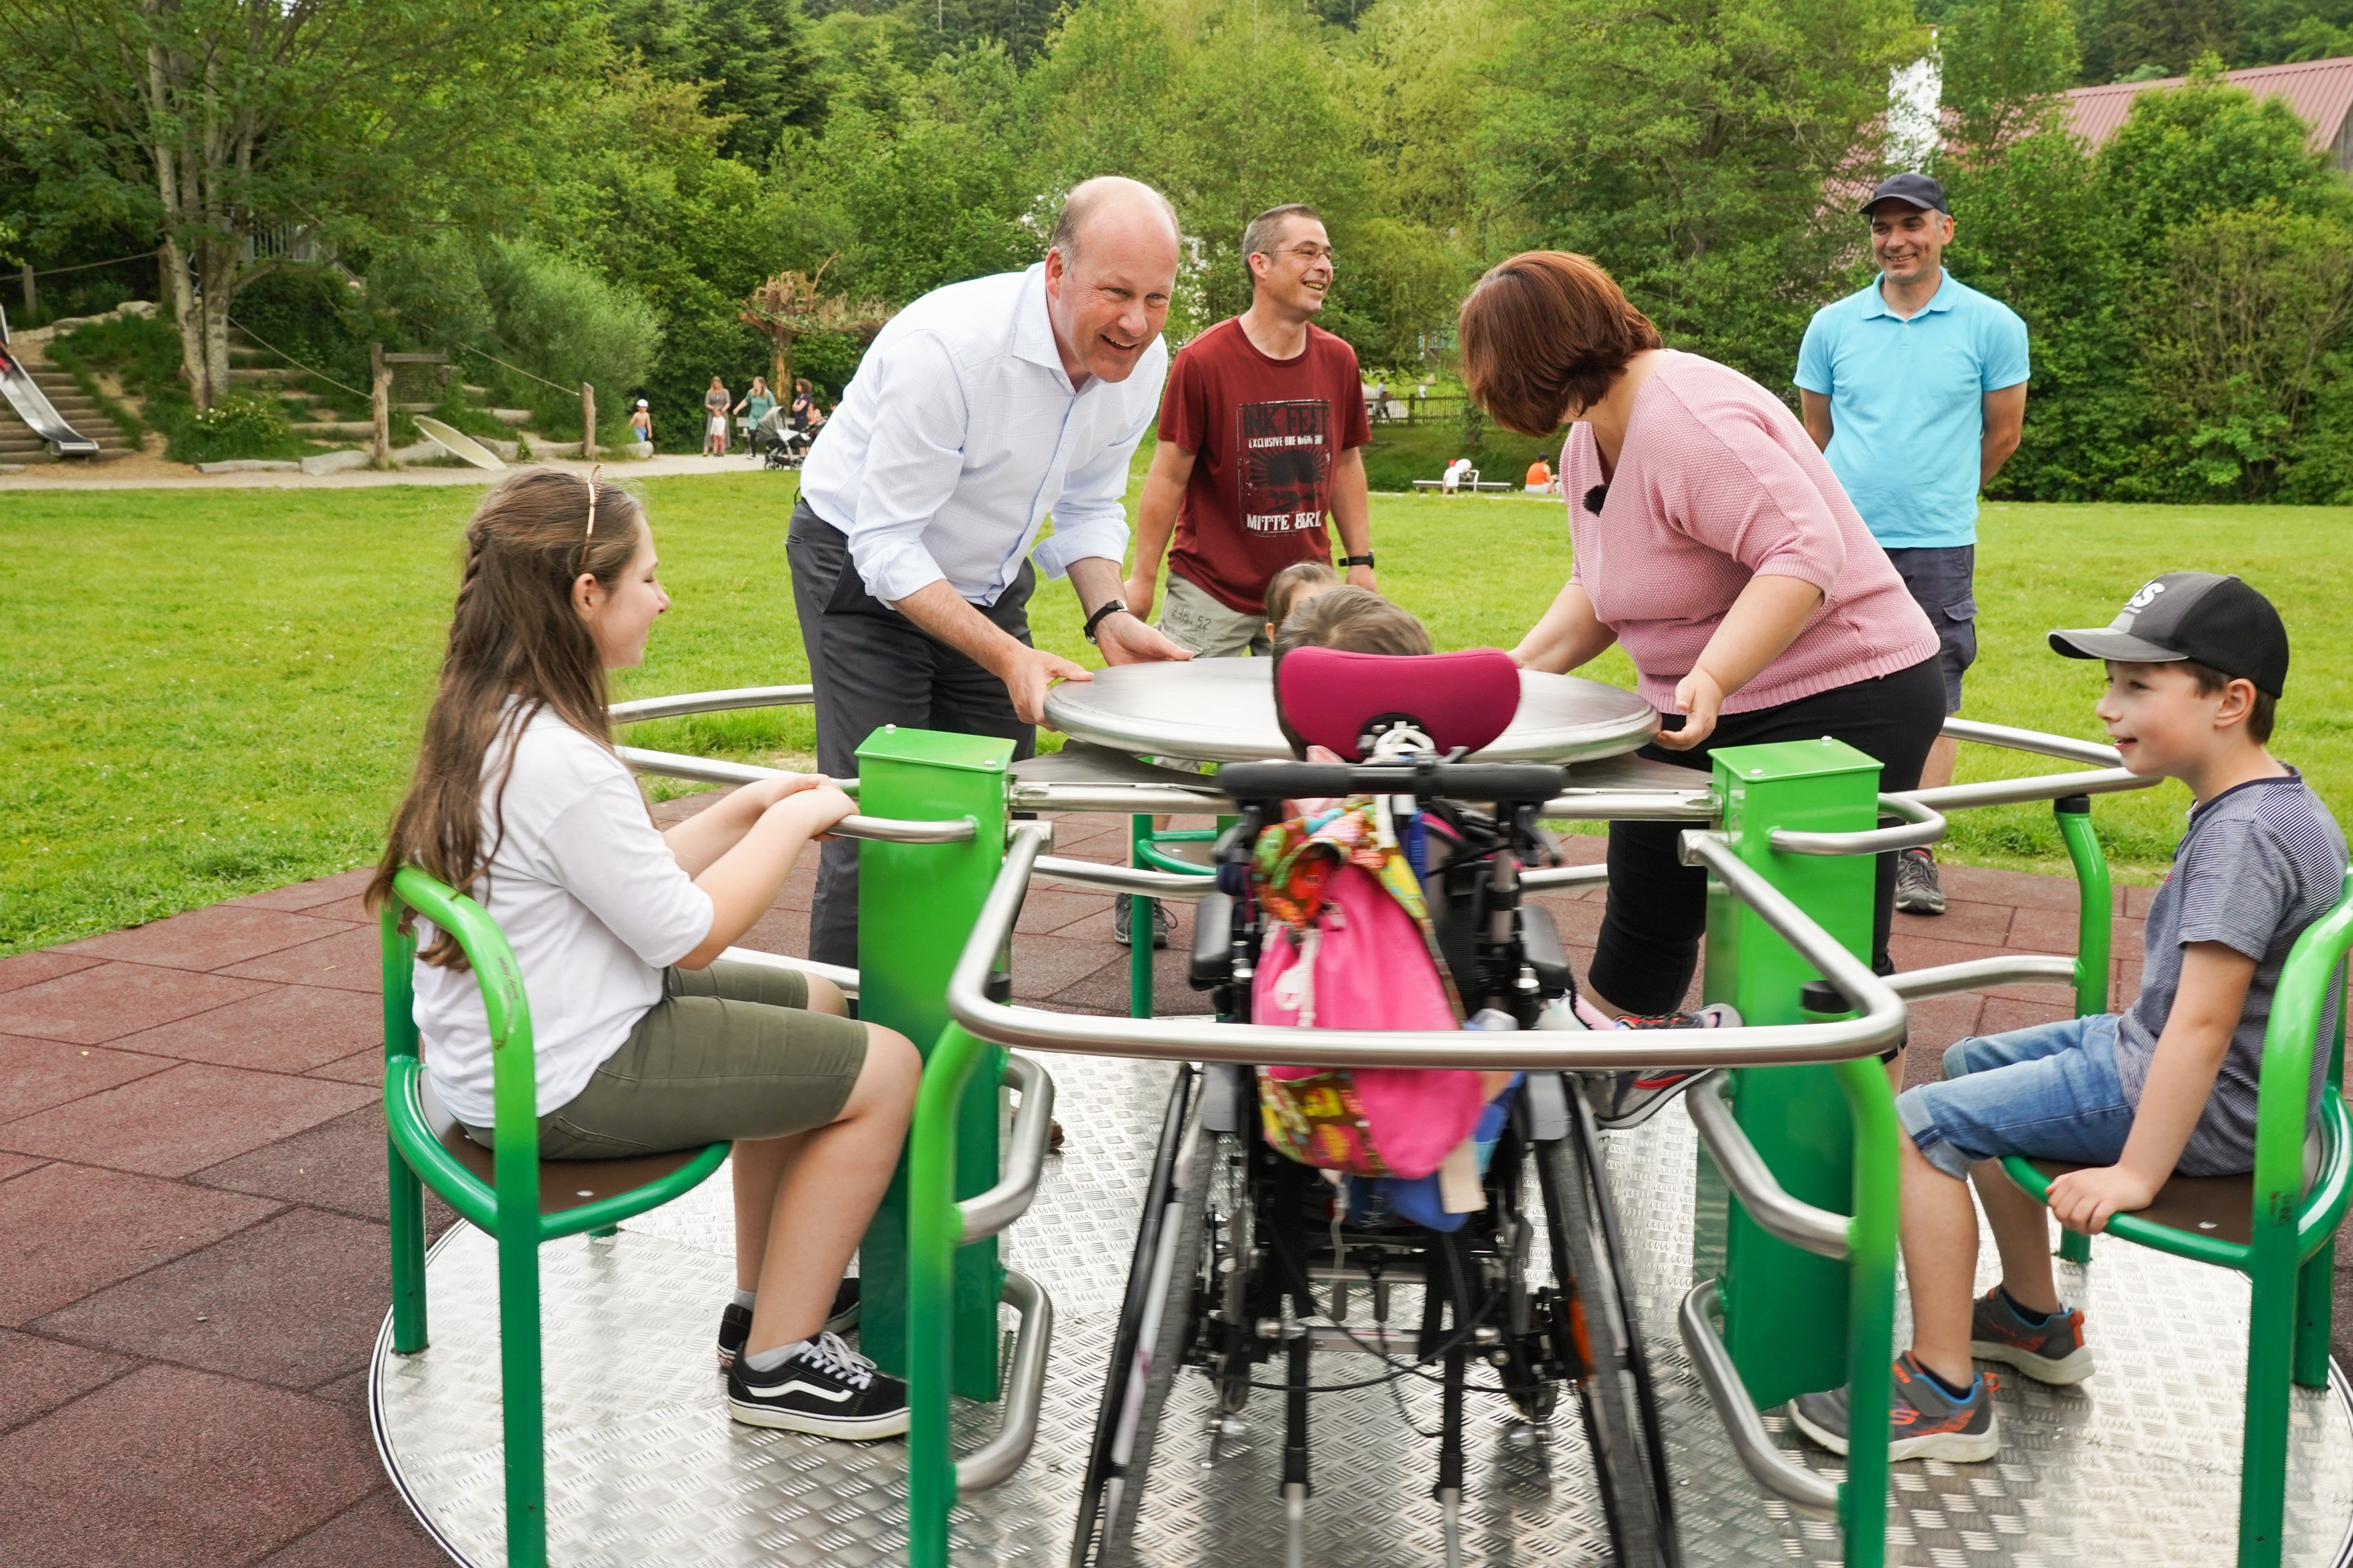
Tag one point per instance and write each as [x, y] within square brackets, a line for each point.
[2049, 1092]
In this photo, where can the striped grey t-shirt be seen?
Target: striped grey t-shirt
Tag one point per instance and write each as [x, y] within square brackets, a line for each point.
[2259, 862]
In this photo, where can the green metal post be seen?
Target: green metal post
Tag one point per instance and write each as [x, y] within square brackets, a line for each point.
[2315, 1305]
[2094, 921]
[1143, 924]
[514, 1144]
[1870, 1308]
[1785, 1310]
[934, 1229]
[407, 1194]
[916, 905]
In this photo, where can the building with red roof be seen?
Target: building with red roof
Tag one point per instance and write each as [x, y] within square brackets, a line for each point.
[2320, 92]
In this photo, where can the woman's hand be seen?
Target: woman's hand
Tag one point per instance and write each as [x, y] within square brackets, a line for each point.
[817, 807]
[1569, 635]
[760, 796]
[1698, 699]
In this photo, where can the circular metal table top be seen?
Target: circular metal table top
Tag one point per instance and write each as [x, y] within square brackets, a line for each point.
[1222, 710]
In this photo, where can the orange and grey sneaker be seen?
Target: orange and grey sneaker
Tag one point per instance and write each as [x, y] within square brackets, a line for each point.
[2051, 1349]
[1925, 1422]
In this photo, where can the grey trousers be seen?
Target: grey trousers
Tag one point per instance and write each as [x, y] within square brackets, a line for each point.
[872, 667]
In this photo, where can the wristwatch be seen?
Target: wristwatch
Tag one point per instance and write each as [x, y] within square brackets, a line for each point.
[1108, 608]
[1364, 560]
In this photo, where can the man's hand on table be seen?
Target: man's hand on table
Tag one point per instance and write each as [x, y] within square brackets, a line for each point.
[1127, 639]
[1030, 673]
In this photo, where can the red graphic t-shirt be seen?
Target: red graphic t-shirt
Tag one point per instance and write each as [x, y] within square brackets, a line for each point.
[1265, 435]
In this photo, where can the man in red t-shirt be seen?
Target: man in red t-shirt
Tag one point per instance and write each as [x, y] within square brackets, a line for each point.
[1259, 436]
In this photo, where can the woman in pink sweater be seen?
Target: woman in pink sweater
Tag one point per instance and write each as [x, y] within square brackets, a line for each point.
[1711, 539]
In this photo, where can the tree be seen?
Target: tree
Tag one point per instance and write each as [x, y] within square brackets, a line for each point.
[239, 131]
[2004, 65]
[2123, 36]
[791, 304]
[1706, 151]
[752, 58]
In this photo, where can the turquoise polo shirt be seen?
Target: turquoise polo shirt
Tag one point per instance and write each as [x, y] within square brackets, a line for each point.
[1908, 405]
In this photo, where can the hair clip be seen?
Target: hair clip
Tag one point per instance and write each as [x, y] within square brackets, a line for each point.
[592, 501]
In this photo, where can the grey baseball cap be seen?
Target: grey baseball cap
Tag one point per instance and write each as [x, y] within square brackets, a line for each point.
[2216, 620]
[1917, 190]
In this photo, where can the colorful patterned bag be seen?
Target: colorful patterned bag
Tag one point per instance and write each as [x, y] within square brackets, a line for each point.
[1351, 953]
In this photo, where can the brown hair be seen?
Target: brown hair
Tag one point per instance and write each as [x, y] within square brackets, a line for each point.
[2260, 717]
[1262, 233]
[1284, 588]
[1544, 334]
[1355, 620]
[514, 632]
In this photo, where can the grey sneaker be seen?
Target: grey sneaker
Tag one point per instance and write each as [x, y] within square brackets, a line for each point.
[1917, 891]
[1121, 913]
[2052, 1351]
[1631, 1097]
[1924, 1421]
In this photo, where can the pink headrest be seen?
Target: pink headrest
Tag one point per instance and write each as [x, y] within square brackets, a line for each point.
[1341, 701]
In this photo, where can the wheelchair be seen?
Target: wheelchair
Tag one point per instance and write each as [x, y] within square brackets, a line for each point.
[1248, 1263]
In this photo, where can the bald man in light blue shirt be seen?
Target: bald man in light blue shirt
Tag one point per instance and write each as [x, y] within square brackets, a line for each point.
[1915, 388]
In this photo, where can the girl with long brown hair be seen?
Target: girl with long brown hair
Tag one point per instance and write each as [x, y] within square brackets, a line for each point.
[646, 1039]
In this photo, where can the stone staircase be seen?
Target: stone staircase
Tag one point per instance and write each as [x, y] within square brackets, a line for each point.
[18, 444]
[257, 371]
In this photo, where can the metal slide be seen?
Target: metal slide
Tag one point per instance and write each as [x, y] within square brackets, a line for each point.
[32, 406]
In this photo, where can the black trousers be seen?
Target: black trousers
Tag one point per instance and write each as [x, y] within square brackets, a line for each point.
[1657, 913]
[872, 667]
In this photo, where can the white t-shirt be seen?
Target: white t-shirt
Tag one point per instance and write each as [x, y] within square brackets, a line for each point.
[591, 899]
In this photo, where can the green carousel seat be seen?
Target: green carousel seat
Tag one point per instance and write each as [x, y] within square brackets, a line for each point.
[2276, 1225]
[510, 1193]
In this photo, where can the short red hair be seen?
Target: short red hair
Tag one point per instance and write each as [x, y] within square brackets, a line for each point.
[1546, 333]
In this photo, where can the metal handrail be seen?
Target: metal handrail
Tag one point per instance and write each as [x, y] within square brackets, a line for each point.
[2018, 791]
[2016, 740]
[986, 1213]
[1120, 799]
[1199, 1040]
[1976, 974]
[1697, 803]
[892, 830]
[1125, 878]
[640, 710]
[1759, 1456]
[994, 1462]
[1795, 1221]
[1921, 827]
[1552, 878]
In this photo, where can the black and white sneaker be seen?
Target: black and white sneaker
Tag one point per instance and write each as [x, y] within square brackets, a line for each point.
[736, 1323]
[1121, 914]
[1629, 1099]
[1917, 890]
[825, 1389]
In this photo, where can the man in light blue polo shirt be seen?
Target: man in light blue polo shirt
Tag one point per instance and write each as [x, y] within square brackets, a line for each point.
[1915, 388]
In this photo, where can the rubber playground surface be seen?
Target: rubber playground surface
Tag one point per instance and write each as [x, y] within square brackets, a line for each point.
[193, 1251]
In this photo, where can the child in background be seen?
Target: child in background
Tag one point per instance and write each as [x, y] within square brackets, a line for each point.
[647, 1039]
[641, 423]
[1294, 586]
[2195, 663]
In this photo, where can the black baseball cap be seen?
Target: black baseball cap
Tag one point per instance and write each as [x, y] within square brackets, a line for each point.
[1918, 190]
[2216, 620]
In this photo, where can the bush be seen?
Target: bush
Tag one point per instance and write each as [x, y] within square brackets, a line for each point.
[239, 426]
[560, 320]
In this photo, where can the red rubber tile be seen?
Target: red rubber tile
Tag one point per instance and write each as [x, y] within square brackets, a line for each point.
[1911, 952]
[1048, 909]
[37, 1074]
[379, 1532]
[363, 1066]
[289, 1028]
[18, 1164]
[352, 960]
[37, 1375]
[2044, 931]
[294, 1301]
[1936, 1023]
[784, 930]
[2136, 902]
[32, 968]
[67, 1230]
[338, 1164]
[310, 894]
[2019, 889]
[1961, 921]
[180, 1120]
[109, 1001]
[1047, 966]
[167, 1467]
[2003, 1013]
[211, 938]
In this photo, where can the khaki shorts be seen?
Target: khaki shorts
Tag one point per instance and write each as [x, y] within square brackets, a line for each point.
[729, 1052]
[1204, 626]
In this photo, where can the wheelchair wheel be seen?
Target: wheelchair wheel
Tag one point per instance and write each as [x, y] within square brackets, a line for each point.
[1614, 1393]
[1184, 1269]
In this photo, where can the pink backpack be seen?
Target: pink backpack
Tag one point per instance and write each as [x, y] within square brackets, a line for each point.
[1364, 963]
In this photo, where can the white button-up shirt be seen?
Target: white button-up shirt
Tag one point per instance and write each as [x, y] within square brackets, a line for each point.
[961, 432]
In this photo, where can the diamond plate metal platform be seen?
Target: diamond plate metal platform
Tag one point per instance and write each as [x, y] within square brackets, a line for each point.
[645, 1470]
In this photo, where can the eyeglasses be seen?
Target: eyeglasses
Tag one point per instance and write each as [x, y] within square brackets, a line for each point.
[1311, 254]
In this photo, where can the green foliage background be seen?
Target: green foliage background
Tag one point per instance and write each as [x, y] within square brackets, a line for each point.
[2187, 284]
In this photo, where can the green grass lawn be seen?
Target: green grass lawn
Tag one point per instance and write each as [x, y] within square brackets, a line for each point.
[213, 693]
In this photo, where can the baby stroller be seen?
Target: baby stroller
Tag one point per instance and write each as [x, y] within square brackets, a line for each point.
[1248, 1262]
[778, 442]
